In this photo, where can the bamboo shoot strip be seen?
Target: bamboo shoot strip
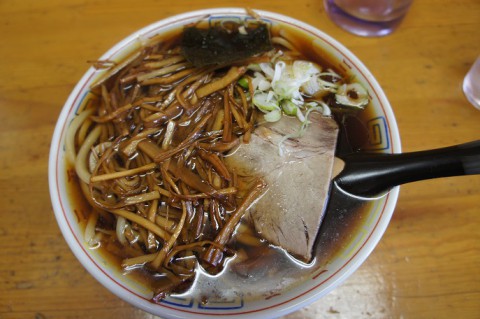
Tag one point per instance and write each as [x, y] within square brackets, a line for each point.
[232, 75]
[159, 259]
[214, 255]
[216, 162]
[192, 179]
[119, 174]
[191, 138]
[227, 119]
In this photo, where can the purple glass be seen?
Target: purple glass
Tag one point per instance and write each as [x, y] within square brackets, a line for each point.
[368, 18]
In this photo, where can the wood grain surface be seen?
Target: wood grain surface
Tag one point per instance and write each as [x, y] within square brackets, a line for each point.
[427, 265]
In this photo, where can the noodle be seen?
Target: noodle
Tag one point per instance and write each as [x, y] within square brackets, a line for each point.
[83, 153]
[74, 126]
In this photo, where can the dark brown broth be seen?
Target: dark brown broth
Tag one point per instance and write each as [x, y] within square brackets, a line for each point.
[344, 214]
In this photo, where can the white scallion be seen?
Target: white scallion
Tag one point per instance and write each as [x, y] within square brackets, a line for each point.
[300, 116]
[289, 107]
[242, 30]
[352, 94]
[273, 116]
[267, 69]
[304, 70]
[265, 102]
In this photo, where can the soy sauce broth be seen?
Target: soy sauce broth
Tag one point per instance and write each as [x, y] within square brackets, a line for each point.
[272, 270]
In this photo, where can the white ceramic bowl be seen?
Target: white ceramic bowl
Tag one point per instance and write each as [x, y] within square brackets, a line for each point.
[320, 282]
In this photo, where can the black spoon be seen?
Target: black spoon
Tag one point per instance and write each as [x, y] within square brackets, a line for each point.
[368, 174]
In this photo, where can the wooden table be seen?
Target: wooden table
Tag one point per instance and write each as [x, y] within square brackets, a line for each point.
[426, 266]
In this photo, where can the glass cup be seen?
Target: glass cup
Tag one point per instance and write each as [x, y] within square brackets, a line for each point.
[368, 18]
[471, 84]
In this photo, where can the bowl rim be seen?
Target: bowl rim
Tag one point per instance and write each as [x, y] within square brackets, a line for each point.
[277, 310]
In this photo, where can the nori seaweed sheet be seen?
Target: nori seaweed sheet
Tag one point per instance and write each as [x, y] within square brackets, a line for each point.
[217, 45]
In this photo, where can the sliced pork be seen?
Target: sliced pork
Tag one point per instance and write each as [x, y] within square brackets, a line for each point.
[298, 177]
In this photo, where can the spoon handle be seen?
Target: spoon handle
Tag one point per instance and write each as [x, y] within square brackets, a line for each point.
[370, 174]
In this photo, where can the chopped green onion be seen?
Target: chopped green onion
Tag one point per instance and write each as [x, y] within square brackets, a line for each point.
[304, 70]
[300, 116]
[254, 67]
[265, 102]
[273, 116]
[289, 107]
[243, 82]
[281, 86]
[353, 95]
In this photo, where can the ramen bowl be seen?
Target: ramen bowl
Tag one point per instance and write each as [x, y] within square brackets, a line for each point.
[314, 282]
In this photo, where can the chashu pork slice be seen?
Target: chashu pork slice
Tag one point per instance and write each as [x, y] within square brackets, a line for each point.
[291, 210]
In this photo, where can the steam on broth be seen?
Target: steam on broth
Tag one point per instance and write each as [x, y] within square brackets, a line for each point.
[149, 154]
